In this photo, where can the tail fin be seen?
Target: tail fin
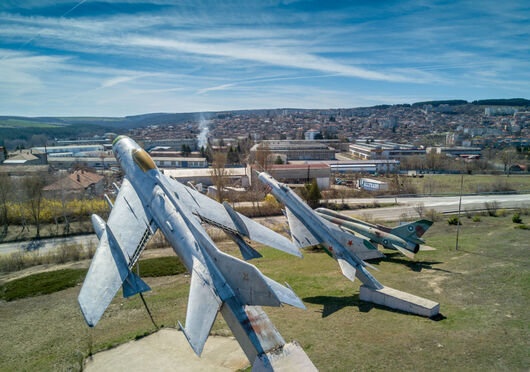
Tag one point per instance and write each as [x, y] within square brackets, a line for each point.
[301, 236]
[412, 231]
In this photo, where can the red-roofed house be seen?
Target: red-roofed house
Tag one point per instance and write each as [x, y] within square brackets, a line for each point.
[81, 181]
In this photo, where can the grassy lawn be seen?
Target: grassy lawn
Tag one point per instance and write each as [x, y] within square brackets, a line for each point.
[443, 183]
[20, 123]
[54, 281]
[483, 289]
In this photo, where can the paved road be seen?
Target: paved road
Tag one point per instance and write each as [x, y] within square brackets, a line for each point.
[407, 207]
[45, 245]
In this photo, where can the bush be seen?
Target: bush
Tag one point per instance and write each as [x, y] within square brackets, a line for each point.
[65, 253]
[454, 221]
[522, 227]
[502, 212]
[516, 218]
[433, 215]
[476, 218]
[491, 208]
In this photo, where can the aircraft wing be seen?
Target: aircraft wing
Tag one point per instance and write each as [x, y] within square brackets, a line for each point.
[224, 217]
[126, 233]
[203, 306]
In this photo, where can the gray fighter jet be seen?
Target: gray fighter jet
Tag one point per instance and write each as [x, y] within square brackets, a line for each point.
[308, 229]
[147, 201]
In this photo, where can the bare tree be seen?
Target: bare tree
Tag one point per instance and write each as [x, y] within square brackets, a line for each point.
[508, 157]
[6, 187]
[263, 157]
[420, 209]
[219, 173]
[33, 186]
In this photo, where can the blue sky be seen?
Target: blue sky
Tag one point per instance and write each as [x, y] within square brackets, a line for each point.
[115, 58]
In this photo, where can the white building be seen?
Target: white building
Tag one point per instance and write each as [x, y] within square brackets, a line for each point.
[370, 184]
[179, 162]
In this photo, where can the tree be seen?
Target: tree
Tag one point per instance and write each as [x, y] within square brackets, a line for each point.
[311, 194]
[186, 150]
[232, 156]
[508, 157]
[6, 187]
[33, 187]
[263, 155]
[6, 155]
[219, 173]
[278, 160]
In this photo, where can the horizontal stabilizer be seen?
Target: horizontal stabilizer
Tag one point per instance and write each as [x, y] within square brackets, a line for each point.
[427, 248]
[300, 234]
[251, 286]
[403, 251]
[347, 270]
[133, 285]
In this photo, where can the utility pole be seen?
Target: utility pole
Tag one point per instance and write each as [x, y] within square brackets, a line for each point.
[459, 208]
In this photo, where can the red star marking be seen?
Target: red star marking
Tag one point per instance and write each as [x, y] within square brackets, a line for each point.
[245, 276]
[330, 248]
[350, 242]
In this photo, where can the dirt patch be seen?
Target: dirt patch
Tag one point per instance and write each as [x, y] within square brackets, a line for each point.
[168, 350]
[434, 280]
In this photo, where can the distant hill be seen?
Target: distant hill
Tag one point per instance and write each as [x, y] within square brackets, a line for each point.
[503, 102]
[484, 102]
[451, 102]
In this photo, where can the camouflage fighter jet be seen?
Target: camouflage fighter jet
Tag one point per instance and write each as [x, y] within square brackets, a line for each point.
[404, 238]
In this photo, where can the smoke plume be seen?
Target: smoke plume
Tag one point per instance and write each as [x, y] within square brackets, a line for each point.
[204, 129]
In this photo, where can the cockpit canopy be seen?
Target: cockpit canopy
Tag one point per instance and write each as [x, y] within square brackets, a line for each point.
[143, 160]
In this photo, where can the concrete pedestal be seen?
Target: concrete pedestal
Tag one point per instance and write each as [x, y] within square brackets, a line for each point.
[290, 357]
[400, 301]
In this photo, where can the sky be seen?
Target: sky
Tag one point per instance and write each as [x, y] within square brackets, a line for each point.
[127, 57]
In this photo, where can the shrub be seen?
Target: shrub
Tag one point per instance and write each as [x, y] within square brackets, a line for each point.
[516, 218]
[491, 208]
[476, 218]
[522, 227]
[433, 215]
[502, 212]
[454, 221]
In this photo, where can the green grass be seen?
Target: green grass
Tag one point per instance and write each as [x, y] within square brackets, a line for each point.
[483, 288]
[450, 183]
[58, 280]
[41, 284]
[161, 266]
[19, 123]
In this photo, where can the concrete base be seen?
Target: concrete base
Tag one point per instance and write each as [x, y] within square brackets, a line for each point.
[168, 350]
[291, 357]
[400, 301]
